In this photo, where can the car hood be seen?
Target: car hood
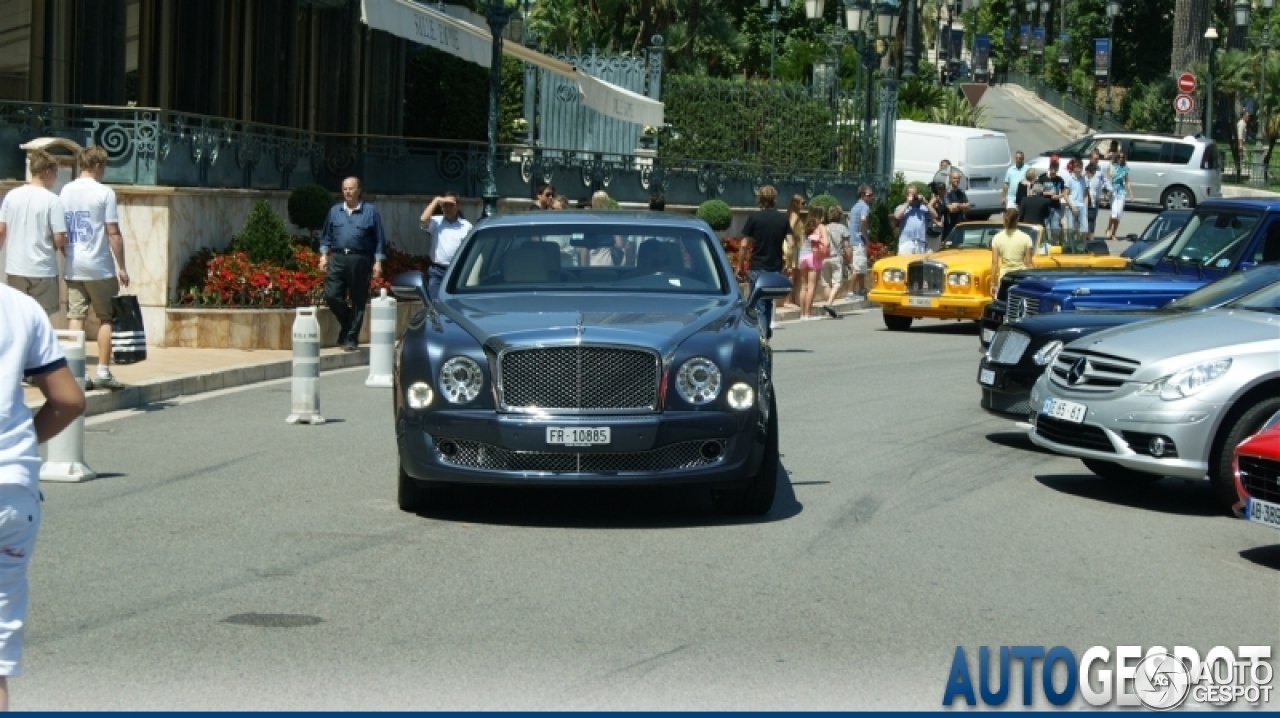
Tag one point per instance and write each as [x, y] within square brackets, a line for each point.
[975, 258]
[1265, 445]
[1042, 324]
[1214, 330]
[655, 321]
[1119, 283]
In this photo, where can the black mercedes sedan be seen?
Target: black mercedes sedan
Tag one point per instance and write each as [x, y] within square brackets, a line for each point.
[1020, 352]
[578, 348]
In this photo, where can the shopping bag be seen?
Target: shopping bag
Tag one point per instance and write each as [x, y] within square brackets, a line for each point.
[128, 338]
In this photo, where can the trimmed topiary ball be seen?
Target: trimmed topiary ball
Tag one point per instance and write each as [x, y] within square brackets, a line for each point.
[308, 206]
[716, 213]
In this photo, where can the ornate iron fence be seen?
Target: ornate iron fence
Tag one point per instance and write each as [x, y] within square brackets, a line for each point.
[148, 146]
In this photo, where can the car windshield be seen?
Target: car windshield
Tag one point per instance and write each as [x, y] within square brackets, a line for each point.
[597, 257]
[1266, 300]
[1149, 256]
[1213, 238]
[1229, 287]
[978, 236]
[1163, 224]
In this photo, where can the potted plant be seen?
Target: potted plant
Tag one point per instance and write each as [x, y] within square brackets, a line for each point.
[648, 137]
[520, 129]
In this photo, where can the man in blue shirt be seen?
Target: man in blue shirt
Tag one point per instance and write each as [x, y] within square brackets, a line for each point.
[1012, 177]
[352, 247]
[913, 217]
[859, 230]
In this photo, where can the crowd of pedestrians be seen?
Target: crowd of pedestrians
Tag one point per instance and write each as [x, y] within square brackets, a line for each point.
[1067, 206]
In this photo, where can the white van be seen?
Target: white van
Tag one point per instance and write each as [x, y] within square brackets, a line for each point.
[982, 155]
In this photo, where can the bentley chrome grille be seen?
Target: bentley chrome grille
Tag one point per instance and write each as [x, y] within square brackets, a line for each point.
[927, 278]
[1091, 371]
[578, 379]
[684, 455]
[1008, 346]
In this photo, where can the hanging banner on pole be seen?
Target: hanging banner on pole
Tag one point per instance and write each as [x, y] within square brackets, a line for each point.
[943, 48]
[1037, 47]
[1026, 37]
[1101, 60]
[1064, 54]
[981, 56]
[957, 46]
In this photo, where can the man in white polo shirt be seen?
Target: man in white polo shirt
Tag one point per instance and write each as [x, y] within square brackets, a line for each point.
[447, 231]
[94, 268]
[33, 228]
[27, 348]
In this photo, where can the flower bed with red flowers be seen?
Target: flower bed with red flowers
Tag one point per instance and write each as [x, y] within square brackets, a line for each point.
[230, 280]
[877, 251]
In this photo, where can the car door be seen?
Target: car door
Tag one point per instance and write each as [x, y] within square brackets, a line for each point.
[1146, 170]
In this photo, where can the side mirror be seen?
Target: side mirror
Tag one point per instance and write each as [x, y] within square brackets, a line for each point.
[1131, 237]
[409, 287]
[1055, 250]
[769, 285]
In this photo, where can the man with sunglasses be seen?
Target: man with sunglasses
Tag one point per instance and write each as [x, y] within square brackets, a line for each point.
[545, 195]
[859, 228]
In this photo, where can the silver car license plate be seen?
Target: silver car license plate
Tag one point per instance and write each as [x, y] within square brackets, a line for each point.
[577, 435]
[1065, 410]
[1263, 512]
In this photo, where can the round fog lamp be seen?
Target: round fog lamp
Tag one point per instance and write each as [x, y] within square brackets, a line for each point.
[1157, 446]
[741, 396]
[419, 395]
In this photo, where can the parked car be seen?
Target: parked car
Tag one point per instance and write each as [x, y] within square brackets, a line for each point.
[1257, 470]
[955, 283]
[1166, 397]
[532, 368]
[1021, 351]
[1222, 237]
[981, 155]
[1164, 170]
[1163, 224]
[995, 312]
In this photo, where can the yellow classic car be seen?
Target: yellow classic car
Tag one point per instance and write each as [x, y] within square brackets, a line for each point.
[955, 283]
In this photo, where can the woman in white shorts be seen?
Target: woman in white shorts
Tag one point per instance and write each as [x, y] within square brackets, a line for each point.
[1118, 175]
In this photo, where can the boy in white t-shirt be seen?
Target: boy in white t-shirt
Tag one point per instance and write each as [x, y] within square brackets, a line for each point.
[33, 227]
[94, 268]
[27, 348]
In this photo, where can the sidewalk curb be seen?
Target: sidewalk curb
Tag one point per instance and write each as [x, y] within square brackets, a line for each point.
[136, 395]
[842, 307]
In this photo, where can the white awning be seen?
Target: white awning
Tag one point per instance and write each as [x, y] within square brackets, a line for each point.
[473, 43]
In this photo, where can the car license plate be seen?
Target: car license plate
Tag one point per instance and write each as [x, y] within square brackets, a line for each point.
[577, 435]
[986, 376]
[1263, 512]
[919, 302]
[1065, 410]
[988, 335]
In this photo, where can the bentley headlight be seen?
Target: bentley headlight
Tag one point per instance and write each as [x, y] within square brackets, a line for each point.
[698, 381]
[1047, 353]
[895, 276]
[461, 380]
[741, 396]
[958, 279]
[1187, 382]
[419, 395]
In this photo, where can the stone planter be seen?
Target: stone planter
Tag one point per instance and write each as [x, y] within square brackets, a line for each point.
[210, 328]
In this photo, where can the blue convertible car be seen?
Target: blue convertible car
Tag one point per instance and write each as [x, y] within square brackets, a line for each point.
[570, 348]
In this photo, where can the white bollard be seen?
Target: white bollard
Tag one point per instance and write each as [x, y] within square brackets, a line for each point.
[65, 452]
[382, 340]
[306, 368]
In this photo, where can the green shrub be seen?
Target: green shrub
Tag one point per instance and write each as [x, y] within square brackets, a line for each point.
[881, 227]
[716, 213]
[922, 189]
[824, 201]
[264, 238]
[308, 206]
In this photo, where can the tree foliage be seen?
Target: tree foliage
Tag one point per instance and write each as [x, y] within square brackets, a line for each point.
[264, 238]
[309, 205]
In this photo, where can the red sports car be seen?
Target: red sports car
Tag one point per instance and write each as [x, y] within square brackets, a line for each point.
[1257, 467]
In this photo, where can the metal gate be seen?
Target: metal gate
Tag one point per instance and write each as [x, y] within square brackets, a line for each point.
[563, 122]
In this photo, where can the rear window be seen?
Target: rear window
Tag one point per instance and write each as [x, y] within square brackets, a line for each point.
[988, 152]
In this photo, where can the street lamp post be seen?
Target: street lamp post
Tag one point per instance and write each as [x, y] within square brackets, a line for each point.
[859, 16]
[1009, 39]
[1031, 41]
[1045, 7]
[1212, 36]
[1113, 11]
[775, 8]
[497, 16]
[1241, 8]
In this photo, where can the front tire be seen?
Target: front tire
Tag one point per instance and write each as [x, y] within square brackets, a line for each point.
[897, 324]
[1246, 424]
[756, 498]
[417, 496]
[1117, 473]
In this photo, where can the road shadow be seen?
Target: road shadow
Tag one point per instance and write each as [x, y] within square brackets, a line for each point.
[792, 351]
[1017, 440]
[1167, 496]
[940, 327]
[1264, 556]
[602, 508]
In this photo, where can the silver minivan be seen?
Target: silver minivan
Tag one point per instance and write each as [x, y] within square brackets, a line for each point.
[1164, 170]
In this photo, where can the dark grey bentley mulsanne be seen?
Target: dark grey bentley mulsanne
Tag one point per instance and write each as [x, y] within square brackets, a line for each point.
[575, 348]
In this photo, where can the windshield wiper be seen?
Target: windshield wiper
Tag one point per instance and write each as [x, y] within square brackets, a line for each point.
[1199, 264]
[1174, 261]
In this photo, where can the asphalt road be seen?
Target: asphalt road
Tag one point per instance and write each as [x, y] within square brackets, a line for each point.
[227, 560]
[1025, 124]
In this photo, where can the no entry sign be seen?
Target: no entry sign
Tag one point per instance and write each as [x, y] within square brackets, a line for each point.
[1186, 83]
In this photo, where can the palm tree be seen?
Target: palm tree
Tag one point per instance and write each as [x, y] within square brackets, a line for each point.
[956, 110]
